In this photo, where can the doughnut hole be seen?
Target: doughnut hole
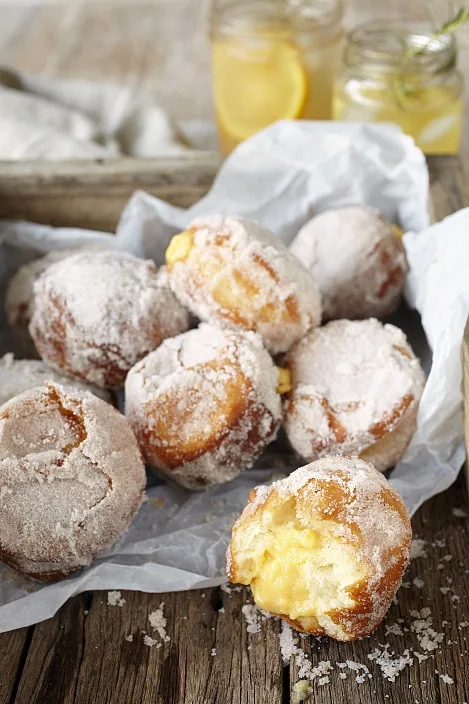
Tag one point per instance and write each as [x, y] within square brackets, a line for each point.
[71, 480]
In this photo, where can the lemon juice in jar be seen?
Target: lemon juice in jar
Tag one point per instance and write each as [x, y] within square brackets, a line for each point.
[396, 73]
[272, 60]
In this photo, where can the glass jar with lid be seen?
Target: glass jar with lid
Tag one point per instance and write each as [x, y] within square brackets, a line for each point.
[399, 73]
[272, 59]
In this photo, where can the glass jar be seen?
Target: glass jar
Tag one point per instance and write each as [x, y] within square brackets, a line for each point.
[398, 73]
[273, 59]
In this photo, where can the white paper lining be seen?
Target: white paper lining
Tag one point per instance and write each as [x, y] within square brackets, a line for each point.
[282, 177]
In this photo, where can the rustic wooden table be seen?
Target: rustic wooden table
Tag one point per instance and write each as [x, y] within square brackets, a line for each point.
[84, 655]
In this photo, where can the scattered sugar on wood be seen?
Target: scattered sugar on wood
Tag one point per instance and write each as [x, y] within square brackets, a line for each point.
[158, 622]
[114, 598]
[459, 512]
[253, 617]
[230, 588]
[417, 548]
[129, 638]
[214, 652]
[151, 642]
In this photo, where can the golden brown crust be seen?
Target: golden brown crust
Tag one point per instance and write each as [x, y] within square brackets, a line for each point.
[235, 273]
[204, 405]
[96, 314]
[354, 384]
[361, 510]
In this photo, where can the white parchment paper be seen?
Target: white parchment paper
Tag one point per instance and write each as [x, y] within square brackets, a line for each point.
[281, 177]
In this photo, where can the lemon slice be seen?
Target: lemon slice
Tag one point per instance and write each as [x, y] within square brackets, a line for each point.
[255, 84]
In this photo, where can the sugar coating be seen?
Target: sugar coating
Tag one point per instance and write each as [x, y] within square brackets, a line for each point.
[251, 252]
[19, 294]
[98, 313]
[71, 479]
[190, 373]
[18, 375]
[361, 510]
[353, 383]
[357, 260]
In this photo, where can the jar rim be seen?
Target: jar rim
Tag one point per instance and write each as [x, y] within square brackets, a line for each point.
[251, 17]
[381, 46]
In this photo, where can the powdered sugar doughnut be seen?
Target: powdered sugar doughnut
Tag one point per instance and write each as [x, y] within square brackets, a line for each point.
[325, 549]
[19, 297]
[234, 272]
[357, 260]
[18, 375]
[71, 480]
[97, 313]
[356, 386]
[204, 405]
[19, 294]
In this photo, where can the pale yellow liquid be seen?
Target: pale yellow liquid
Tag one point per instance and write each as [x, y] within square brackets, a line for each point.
[258, 80]
[431, 115]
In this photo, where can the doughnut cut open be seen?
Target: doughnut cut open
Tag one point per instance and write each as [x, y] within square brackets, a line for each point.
[325, 549]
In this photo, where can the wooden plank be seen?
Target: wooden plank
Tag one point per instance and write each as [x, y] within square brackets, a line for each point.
[78, 659]
[92, 194]
[52, 664]
[13, 651]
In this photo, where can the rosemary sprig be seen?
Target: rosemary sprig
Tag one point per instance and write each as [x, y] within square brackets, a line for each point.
[448, 27]
[405, 89]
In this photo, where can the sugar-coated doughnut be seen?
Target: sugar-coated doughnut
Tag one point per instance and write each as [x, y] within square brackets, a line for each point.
[97, 313]
[204, 405]
[18, 375]
[357, 259]
[71, 480]
[235, 273]
[356, 386]
[19, 294]
[325, 548]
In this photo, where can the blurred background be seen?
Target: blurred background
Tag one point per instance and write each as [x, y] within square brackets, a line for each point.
[159, 48]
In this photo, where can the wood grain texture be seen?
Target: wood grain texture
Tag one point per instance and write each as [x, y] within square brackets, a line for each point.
[13, 650]
[93, 194]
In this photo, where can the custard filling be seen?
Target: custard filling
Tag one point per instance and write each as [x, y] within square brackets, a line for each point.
[284, 381]
[179, 247]
[301, 572]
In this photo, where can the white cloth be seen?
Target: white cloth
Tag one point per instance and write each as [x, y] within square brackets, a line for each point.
[50, 119]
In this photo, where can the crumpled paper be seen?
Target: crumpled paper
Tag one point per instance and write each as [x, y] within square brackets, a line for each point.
[281, 176]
